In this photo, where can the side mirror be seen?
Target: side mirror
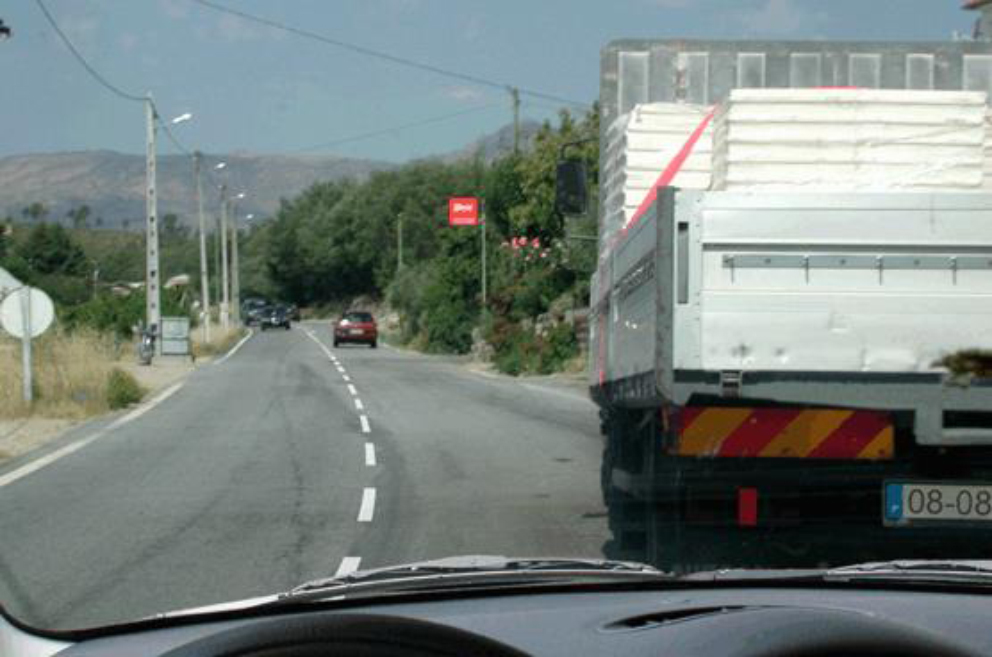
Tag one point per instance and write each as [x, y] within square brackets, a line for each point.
[571, 195]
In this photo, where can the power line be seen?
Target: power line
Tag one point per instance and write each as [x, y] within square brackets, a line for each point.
[405, 126]
[378, 54]
[95, 74]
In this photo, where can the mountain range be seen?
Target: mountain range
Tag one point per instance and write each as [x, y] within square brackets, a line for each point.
[112, 184]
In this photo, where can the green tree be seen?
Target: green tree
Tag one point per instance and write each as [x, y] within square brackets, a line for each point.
[79, 216]
[36, 212]
[49, 249]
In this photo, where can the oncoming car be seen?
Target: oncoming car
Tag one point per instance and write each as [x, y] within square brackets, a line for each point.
[356, 327]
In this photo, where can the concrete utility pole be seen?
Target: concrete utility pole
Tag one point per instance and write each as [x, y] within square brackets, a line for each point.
[399, 242]
[225, 303]
[153, 299]
[515, 96]
[483, 232]
[235, 268]
[204, 284]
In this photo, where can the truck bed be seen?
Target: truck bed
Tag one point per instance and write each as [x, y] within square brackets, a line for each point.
[832, 299]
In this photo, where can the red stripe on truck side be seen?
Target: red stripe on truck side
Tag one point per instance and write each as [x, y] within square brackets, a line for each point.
[757, 431]
[672, 170]
[847, 441]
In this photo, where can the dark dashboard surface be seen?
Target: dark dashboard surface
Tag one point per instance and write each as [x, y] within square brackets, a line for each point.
[675, 622]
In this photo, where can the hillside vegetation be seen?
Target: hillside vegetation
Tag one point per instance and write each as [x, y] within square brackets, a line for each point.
[338, 240]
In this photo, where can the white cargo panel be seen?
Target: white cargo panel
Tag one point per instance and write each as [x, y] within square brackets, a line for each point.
[834, 282]
[850, 139]
[639, 146]
[988, 151]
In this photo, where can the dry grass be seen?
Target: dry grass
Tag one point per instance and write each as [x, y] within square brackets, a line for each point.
[70, 374]
[220, 341]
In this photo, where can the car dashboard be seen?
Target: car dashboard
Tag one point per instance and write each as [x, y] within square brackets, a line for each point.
[682, 621]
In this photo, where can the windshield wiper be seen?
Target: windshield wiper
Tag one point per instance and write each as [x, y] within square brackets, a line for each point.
[909, 571]
[940, 571]
[460, 572]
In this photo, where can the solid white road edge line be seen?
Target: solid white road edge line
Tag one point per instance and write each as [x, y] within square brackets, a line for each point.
[359, 405]
[367, 509]
[52, 457]
[365, 424]
[348, 566]
[235, 348]
[370, 455]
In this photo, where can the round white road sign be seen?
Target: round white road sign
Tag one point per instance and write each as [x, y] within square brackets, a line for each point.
[41, 312]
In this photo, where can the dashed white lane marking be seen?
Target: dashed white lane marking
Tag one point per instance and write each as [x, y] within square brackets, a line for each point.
[367, 510]
[52, 457]
[359, 405]
[369, 454]
[352, 390]
[346, 377]
[235, 348]
[348, 566]
[365, 424]
[340, 369]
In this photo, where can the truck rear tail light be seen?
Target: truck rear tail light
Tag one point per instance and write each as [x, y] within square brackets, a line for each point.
[747, 507]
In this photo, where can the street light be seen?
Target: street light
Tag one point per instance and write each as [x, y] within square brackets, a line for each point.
[235, 267]
[204, 274]
[225, 292]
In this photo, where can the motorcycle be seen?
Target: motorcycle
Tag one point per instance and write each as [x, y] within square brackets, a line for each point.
[146, 347]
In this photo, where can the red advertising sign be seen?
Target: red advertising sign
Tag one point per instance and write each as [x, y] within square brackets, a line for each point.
[463, 211]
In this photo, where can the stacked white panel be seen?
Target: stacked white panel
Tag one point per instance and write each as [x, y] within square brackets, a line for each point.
[640, 145]
[988, 151]
[850, 139]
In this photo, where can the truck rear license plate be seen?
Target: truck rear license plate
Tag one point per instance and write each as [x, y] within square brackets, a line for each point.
[908, 503]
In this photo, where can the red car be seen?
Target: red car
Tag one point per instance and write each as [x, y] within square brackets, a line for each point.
[356, 326]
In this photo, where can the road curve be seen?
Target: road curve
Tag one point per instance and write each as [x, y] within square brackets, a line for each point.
[293, 460]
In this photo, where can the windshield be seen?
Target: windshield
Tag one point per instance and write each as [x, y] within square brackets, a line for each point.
[290, 291]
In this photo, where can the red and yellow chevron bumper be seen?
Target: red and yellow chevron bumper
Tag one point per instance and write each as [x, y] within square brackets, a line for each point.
[785, 433]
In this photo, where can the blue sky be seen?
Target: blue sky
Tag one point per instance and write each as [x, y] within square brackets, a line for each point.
[255, 89]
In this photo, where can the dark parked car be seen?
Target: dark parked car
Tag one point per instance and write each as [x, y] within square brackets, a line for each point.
[358, 327]
[275, 317]
[252, 310]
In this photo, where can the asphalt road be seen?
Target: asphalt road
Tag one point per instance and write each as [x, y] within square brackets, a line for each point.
[260, 473]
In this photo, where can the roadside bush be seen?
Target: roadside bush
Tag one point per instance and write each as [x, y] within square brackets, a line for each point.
[123, 389]
[119, 314]
[519, 350]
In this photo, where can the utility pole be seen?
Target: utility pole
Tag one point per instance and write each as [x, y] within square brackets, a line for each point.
[515, 96]
[225, 307]
[204, 284]
[153, 310]
[217, 268]
[235, 276]
[483, 233]
[399, 242]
